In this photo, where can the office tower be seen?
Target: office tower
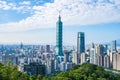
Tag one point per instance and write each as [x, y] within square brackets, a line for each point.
[113, 46]
[80, 44]
[59, 51]
[48, 48]
[116, 61]
[66, 56]
[83, 58]
[107, 61]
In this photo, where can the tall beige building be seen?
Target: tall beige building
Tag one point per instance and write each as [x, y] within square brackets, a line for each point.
[100, 54]
[116, 61]
[119, 50]
[100, 60]
[75, 57]
[107, 61]
[111, 59]
[93, 56]
[83, 58]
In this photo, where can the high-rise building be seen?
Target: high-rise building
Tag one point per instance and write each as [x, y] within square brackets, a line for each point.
[100, 55]
[92, 45]
[59, 51]
[74, 57]
[100, 50]
[105, 49]
[93, 56]
[69, 65]
[50, 66]
[116, 61]
[42, 49]
[47, 48]
[80, 44]
[56, 64]
[66, 56]
[119, 50]
[111, 59]
[107, 61]
[63, 66]
[113, 46]
[100, 60]
[83, 58]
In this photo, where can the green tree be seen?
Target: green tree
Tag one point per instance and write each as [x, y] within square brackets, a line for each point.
[15, 73]
[101, 79]
[6, 71]
[23, 76]
[39, 77]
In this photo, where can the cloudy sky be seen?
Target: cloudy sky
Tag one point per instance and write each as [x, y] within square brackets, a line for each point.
[34, 21]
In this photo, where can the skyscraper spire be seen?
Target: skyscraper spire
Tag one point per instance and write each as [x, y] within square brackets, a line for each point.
[59, 16]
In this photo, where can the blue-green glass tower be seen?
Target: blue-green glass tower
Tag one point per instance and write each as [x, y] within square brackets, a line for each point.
[59, 50]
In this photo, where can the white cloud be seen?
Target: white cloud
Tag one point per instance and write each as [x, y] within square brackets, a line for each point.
[38, 1]
[22, 7]
[25, 3]
[73, 12]
[4, 5]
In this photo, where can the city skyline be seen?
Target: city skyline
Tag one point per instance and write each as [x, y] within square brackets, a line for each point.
[34, 21]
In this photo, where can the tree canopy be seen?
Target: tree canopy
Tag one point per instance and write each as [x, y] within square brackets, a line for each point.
[86, 71]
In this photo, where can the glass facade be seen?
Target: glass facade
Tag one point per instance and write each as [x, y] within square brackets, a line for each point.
[59, 51]
[80, 43]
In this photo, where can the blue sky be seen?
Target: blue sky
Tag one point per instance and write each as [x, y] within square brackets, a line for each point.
[34, 21]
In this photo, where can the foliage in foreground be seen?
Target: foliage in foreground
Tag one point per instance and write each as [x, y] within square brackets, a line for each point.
[86, 71]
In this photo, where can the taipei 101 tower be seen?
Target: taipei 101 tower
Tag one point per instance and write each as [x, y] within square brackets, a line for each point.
[59, 50]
